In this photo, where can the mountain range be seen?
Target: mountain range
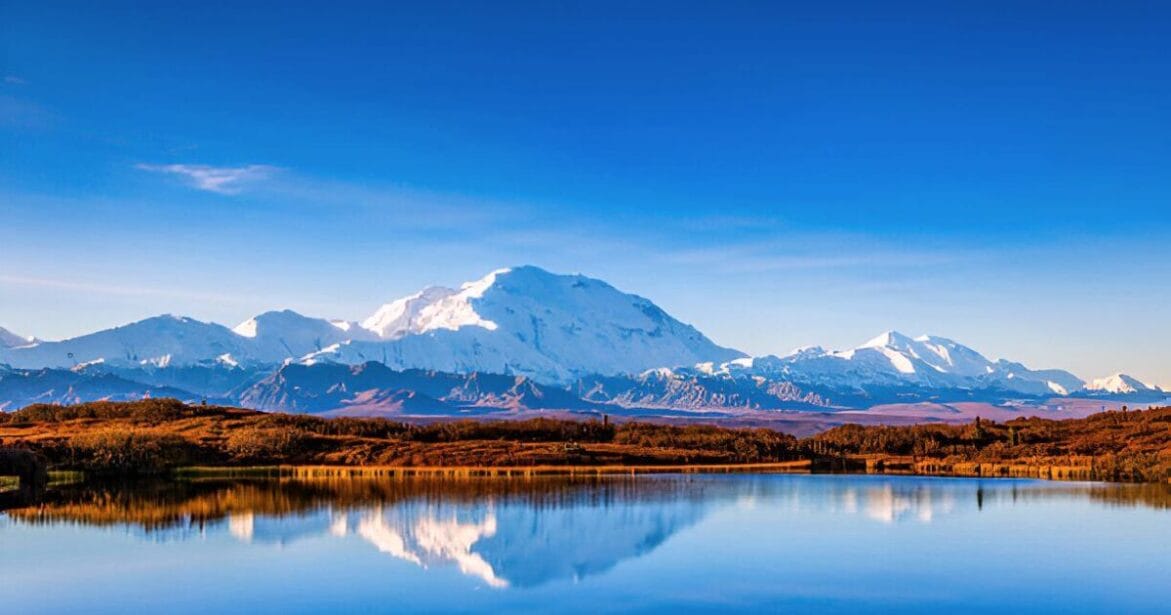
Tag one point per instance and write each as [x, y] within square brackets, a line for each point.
[519, 338]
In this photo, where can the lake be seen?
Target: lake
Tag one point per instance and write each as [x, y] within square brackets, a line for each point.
[687, 543]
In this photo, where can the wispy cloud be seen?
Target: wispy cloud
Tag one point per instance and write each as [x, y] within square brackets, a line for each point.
[115, 289]
[221, 180]
[14, 80]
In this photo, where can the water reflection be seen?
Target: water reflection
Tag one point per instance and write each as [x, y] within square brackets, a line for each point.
[889, 504]
[506, 533]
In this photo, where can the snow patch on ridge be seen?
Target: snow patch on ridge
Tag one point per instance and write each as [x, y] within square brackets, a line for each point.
[1120, 384]
[430, 309]
[246, 328]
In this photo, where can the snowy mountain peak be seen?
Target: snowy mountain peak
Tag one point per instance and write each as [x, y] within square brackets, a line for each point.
[156, 341]
[434, 307]
[439, 308]
[526, 320]
[247, 328]
[893, 360]
[478, 287]
[406, 315]
[285, 334]
[523, 321]
[8, 339]
[888, 339]
[1120, 384]
[937, 353]
[272, 322]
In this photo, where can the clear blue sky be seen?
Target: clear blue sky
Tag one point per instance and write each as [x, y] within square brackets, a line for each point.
[777, 175]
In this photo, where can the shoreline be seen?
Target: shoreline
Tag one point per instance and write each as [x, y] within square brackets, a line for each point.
[856, 467]
[803, 466]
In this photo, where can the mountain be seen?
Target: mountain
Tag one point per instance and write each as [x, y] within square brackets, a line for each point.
[689, 390]
[324, 388]
[520, 338]
[178, 341]
[159, 341]
[1120, 384]
[19, 388]
[9, 339]
[374, 389]
[217, 380]
[530, 322]
[893, 363]
[1016, 377]
[418, 313]
[275, 336]
[522, 321]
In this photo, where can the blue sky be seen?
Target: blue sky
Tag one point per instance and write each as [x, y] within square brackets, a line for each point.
[776, 175]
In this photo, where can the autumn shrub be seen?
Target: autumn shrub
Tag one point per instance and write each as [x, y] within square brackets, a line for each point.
[125, 451]
[530, 430]
[934, 440]
[357, 427]
[741, 444]
[145, 411]
[267, 445]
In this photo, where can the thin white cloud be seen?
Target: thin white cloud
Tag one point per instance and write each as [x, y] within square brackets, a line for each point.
[221, 180]
[115, 289]
[14, 80]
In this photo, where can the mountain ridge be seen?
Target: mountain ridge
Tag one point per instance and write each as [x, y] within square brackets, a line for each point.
[522, 320]
[554, 330]
[8, 339]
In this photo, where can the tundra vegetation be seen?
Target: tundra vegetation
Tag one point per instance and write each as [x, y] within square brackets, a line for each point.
[152, 437]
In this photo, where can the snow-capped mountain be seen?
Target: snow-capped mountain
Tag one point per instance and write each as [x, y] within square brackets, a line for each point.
[423, 311]
[522, 321]
[275, 336]
[895, 360]
[530, 322]
[159, 341]
[8, 339]
[1120, 384]
[551, 341]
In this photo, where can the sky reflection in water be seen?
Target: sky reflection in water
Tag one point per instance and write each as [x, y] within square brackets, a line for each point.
[834, 543]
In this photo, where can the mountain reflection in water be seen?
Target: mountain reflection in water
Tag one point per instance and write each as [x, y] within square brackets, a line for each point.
[522, 532]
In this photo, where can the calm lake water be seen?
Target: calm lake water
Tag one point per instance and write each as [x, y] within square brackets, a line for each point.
[657, 543]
